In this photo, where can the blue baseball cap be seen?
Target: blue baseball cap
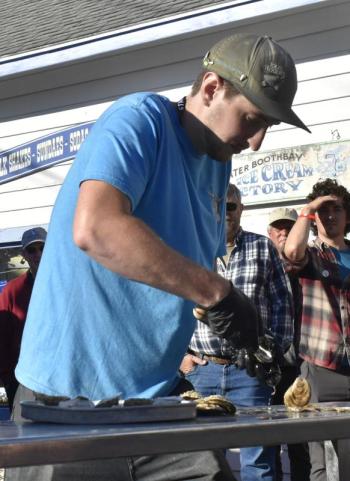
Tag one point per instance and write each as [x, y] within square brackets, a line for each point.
[37, 234]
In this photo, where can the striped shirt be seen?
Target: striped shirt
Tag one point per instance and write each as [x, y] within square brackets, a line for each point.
[255, 267]
[325, 330]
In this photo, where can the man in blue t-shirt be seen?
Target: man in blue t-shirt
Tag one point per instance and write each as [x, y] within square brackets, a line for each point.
[133, 237]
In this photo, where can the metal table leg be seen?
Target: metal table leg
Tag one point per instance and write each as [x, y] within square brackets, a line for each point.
[343, 448]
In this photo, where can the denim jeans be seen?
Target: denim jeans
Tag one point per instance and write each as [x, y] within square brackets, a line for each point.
[257, 463]
[196, 466]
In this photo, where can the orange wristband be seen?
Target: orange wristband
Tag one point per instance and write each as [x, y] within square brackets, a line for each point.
[308, 216]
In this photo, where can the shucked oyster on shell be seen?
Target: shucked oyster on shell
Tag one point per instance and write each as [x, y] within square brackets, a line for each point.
[210, 403]
[298, 394]
[190, 395]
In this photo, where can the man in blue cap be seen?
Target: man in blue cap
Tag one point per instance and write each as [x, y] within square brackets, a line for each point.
[14, 301]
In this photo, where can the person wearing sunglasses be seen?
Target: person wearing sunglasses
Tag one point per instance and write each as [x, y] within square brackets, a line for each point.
[253, 265]
[14, 302]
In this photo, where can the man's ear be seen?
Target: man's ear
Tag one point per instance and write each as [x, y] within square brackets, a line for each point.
[210, 85]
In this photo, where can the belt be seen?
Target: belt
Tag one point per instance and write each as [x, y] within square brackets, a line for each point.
[224, 361]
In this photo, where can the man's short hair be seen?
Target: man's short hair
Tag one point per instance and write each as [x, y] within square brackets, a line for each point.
[230, 90]
[234, 191]
[331, 187]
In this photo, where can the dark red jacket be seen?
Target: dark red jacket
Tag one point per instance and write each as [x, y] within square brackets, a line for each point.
[14, 302]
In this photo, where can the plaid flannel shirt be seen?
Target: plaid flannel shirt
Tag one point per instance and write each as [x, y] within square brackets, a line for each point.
[254, 267]
[325, 330]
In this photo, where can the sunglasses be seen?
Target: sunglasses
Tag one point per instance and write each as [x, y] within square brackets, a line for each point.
[231, 206]
[32, 249]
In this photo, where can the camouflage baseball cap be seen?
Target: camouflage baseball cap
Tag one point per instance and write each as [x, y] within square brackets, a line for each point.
[261, 70]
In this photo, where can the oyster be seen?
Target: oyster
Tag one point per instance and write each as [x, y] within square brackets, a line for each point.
[298, 394]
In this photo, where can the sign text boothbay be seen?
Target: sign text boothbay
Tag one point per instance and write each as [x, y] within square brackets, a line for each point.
[290, 173]
[42, 153]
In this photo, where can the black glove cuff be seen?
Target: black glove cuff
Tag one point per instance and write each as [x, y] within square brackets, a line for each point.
[235, 318]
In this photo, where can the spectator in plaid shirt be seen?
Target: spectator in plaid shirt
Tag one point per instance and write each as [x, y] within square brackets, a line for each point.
[324, 272]
[252, 263]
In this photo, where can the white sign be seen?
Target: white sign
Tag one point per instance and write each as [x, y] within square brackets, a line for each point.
[289, 174]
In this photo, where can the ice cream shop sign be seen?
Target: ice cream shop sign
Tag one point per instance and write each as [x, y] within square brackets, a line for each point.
[289, 173]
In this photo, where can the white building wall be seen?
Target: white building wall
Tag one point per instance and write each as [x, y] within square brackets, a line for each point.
[317, 40]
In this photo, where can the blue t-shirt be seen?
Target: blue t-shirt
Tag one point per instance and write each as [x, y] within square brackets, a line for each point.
[343, 258]
[89, 331]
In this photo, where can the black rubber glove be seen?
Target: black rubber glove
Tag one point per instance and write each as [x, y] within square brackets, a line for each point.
[263, 362]
[234, 318]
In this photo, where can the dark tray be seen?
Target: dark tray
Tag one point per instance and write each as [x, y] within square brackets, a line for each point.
[37, 411]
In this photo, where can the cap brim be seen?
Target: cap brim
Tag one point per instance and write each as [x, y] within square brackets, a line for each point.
[282, 218]
[33, 242]
[275, 110]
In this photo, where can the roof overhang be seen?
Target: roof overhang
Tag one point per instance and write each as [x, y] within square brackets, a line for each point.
[160, 55]
[218, 17]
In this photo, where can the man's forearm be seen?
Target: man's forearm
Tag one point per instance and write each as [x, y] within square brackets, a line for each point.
[296, 243]
[126, 245]
[297, 239]
[140, 255]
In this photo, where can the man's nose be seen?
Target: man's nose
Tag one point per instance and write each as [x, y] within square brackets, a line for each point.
[256, 140]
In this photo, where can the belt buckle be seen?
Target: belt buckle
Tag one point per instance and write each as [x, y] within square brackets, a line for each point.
[234, 355]
[238, 358]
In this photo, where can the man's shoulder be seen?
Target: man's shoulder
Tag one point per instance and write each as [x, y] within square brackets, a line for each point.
[248, 236]
[16, 284]
[136, 111]
[316, 246]
[259, 243]
[141, 101]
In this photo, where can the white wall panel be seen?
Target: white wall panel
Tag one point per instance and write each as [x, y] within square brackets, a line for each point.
[324, 67]
[326, 111]
[318, 40]
[313, 45]
[322, 88]
[49, 177]
[25, 217]
[289, 137]
[28, 199]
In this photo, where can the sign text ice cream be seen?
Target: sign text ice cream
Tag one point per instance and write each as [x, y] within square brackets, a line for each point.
[288, 174]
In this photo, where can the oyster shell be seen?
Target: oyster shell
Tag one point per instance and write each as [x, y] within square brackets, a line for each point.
[298, 394]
